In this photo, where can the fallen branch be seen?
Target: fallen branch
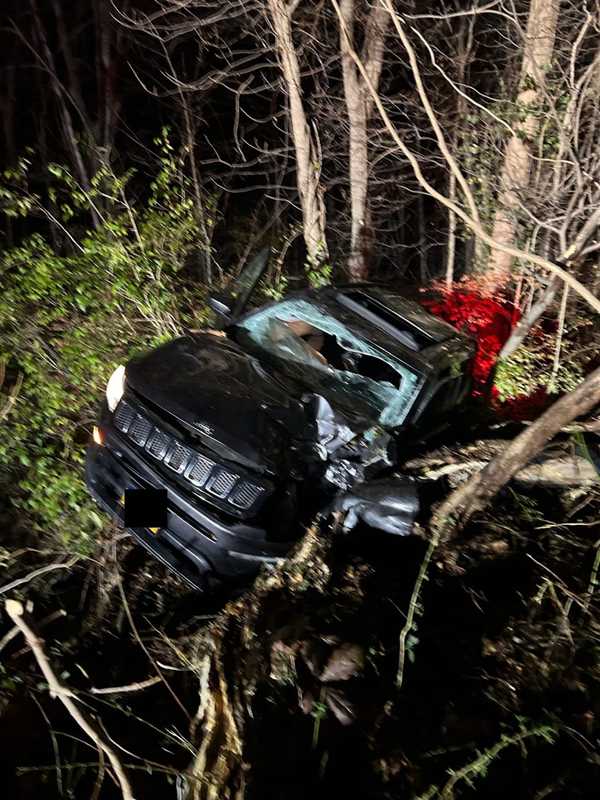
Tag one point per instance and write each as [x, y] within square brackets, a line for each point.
[16, 612]
[36, 573]
[131, 687]
[558, 466]
[139, 640]
[591, 425]
[228, 659]
[477, 492]
[13, 632]
[480, 765]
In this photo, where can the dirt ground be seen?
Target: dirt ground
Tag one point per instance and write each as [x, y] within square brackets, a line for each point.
[499, 693]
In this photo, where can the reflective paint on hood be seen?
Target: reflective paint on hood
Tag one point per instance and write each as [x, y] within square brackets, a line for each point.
[221, 393]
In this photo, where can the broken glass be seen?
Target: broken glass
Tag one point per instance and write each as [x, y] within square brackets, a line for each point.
[301, 332]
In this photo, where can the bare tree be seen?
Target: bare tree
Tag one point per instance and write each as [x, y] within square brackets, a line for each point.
[308, 54]
[306, 142]
[471, 217]
[538, 45]
[359, 105]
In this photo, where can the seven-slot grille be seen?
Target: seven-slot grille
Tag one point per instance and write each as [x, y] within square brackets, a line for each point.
[177, 457]
[200, 471]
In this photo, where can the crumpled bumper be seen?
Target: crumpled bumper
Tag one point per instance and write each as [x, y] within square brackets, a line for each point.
[390, 505]
[194, 544]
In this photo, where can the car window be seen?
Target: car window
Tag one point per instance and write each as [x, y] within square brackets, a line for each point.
[301, 332]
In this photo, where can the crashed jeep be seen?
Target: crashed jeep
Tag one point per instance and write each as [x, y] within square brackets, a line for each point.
[243, 434]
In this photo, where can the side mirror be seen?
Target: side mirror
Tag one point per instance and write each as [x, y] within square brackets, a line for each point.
[222, 305]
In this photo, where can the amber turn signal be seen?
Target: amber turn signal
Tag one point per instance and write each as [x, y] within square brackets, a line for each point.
[97, 435]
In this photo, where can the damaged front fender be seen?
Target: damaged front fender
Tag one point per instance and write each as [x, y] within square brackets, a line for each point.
[351, 460]
[390, 505]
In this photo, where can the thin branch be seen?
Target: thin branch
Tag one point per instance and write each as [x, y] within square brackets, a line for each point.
[16, 612]
[437, 129]
[413, 605]
[559, 338]
[466, 13]
[36, 573]
[138, 639]
[471, 223]
[131, 687]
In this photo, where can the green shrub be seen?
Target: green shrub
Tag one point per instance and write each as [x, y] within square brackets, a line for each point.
[73, 307]
[531, 367]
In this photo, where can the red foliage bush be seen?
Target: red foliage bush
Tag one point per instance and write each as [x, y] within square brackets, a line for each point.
[524, 406]
[487, 319]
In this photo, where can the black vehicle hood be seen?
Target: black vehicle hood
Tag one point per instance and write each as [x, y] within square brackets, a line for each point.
[223, 395]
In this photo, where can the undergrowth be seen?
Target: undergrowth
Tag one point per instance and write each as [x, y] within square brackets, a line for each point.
[77, 302]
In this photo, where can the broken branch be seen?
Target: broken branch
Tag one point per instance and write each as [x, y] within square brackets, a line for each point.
[131, 687]
[36, 573]
[16, 612]
[477, 492]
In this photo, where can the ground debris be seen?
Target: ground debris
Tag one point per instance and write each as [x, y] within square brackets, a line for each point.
[290, 686]
[557, 465]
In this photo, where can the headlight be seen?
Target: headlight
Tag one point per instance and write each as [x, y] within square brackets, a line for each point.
[115, 387]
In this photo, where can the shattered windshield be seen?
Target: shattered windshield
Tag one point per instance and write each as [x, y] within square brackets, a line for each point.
[299, 332]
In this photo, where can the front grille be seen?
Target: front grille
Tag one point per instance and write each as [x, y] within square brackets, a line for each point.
[246, 494]
[177, 457]
[200, 471]
[221, 483]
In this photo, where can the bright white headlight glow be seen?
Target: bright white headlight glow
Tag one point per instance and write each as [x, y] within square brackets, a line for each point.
[115, 387]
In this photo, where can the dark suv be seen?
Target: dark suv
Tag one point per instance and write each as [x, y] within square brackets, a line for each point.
[238, 436]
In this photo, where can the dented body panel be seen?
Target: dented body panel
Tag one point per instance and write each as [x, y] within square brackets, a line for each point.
[304, 405]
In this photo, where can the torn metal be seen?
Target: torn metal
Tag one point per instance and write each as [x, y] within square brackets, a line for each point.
[390, 505]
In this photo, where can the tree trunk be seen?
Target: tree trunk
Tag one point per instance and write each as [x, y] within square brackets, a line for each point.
[528, 320]
[106, 79]
[463, 57]
[358, 106]
[308, 159]
[514, 178]
[70, 138]
[557, 466]
[477, 492]
[357, 150]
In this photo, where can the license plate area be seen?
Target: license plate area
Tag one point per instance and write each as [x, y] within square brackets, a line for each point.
[145, 508]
